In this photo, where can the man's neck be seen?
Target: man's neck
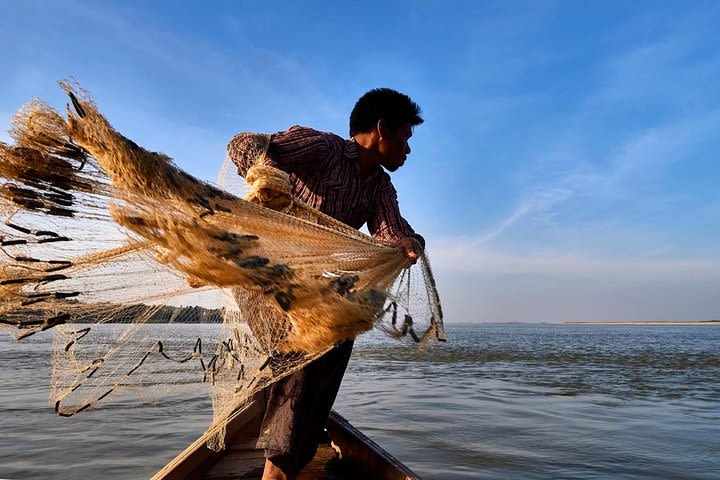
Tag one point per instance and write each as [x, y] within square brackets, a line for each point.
[368, 159]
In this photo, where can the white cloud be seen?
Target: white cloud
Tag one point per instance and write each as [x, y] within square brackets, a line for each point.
[466, 255]
[474, 298]
[563, 175]
[540, 202]
[667, 72]
[481, 285]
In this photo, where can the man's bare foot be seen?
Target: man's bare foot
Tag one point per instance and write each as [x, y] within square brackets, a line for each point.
[272, 472]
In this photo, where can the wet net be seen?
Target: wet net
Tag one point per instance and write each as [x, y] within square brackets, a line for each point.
[154, 282]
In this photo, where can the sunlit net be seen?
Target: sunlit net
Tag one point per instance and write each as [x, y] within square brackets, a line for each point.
[117, 250]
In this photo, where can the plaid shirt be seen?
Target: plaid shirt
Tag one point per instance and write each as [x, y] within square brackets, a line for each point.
[323, 168]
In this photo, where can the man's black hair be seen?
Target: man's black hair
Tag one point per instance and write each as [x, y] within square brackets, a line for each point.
[383, 103]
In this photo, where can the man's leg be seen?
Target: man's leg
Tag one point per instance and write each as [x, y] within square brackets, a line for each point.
[273, 472]
[297, 412]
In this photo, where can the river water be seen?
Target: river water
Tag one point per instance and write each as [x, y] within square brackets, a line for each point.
[511, 401]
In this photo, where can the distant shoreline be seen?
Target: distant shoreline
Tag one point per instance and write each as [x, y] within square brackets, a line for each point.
[711, 322]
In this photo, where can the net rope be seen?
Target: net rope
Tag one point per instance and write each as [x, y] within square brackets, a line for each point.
[155, 282]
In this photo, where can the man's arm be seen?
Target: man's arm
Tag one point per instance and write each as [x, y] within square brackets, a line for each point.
[297, 150]
[387, 225]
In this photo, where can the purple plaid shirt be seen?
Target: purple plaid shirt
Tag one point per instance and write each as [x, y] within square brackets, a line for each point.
[323, 168]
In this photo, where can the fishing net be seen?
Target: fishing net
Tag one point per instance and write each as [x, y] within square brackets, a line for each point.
[153, 281]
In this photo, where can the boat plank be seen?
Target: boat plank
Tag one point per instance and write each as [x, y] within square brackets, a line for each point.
[246, 464]
[197, 459]
[238, 465]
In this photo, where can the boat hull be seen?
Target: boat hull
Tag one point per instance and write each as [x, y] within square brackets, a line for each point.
[348, 454]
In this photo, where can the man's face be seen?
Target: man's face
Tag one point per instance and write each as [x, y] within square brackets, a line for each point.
[394, 148]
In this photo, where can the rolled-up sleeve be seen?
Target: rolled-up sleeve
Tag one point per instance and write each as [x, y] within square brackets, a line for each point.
[298, 150]
[247, 149]
[386, 224]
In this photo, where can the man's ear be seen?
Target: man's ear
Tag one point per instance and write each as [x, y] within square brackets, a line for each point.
[381, 129]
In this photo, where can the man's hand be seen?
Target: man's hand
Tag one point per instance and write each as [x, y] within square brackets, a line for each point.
[411, 247]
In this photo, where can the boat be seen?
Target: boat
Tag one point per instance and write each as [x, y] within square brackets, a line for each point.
[347, 454]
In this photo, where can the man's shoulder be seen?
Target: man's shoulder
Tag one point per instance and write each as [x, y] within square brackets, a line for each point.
[299, 131]
[383, 179]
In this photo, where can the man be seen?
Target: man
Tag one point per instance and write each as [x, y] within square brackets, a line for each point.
[344, 179]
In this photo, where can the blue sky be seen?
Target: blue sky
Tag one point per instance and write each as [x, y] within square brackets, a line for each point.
[567, 168]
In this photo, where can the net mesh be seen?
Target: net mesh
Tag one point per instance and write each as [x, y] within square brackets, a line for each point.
[155, 282]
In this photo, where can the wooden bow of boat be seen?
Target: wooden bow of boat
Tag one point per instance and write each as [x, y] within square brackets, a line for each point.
[347, 455]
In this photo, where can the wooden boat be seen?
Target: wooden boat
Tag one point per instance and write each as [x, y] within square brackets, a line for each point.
[348, 454]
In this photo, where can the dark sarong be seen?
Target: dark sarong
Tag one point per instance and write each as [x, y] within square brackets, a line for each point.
[298, 408]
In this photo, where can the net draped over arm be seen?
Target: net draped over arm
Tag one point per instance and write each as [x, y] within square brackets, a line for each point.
[385, 223]
[298, 150]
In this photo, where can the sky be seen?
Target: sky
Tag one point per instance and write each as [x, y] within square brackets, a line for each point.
[567, 167]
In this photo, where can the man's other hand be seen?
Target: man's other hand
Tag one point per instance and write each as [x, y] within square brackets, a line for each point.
[411, 247]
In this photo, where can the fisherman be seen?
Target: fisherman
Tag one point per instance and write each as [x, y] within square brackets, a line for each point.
[345, 180]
